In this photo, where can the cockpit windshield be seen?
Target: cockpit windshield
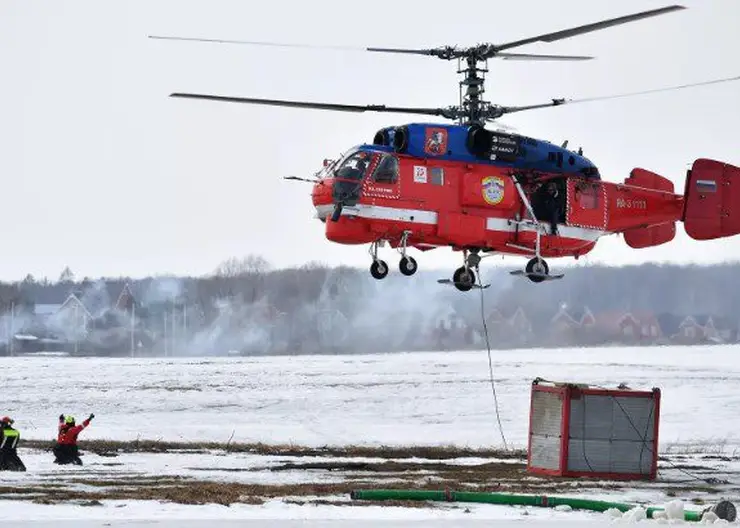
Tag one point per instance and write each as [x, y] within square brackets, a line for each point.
[354, 166]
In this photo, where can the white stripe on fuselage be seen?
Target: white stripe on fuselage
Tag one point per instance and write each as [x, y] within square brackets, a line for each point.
[377, 212]
[419, 216]
[580, 233]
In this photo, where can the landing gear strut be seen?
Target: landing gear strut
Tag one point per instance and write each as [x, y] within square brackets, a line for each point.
[407, 265]
[378, 268]
[536, 269]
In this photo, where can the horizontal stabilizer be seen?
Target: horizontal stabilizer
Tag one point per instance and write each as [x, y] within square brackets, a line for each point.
[649, 180]
[656, 235]
[712, 194]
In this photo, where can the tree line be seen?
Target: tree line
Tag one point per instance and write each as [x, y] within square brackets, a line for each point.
[247, 307]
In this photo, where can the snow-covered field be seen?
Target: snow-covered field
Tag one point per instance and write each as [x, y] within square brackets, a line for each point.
[398, 399]
[395, 399]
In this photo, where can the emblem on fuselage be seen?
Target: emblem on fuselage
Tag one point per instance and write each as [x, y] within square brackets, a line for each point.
[493, 189]
[435, 143]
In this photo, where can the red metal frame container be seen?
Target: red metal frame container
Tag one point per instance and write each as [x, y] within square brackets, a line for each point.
[582, 431]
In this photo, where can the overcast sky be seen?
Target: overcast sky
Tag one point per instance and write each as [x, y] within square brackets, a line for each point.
[104, 173]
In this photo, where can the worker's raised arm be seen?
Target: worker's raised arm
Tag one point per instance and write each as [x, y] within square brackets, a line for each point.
[88, 420]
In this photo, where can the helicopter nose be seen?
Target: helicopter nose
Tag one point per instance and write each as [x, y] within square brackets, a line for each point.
[321, 194]
[321, 197]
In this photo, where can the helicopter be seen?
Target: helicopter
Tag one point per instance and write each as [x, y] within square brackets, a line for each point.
[486, 192]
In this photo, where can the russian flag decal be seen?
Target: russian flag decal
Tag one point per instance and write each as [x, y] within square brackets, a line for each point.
[706, 185]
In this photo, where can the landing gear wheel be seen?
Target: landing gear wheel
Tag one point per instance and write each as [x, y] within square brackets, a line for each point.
[407, 266]
[464, 279]
[538, 266]
[378, 269]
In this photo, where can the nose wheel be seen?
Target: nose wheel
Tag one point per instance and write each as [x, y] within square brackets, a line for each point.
[407, 265]
[379, 269]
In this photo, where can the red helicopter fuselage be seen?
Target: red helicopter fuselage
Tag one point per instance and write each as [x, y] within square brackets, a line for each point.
[443, 204]
[426, 203]
[479, 191]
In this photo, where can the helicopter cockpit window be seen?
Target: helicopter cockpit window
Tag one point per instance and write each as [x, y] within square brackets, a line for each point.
[354, 167]
[387, 169]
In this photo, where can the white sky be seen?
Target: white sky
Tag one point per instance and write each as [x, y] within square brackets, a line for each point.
[104, 173]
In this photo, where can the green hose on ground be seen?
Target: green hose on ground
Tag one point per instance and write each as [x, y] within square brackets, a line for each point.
[723, 509]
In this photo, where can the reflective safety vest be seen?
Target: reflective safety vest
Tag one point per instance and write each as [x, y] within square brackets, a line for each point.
[10, 439]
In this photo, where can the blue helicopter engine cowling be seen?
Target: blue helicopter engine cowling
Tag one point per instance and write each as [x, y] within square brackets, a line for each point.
[476, 144]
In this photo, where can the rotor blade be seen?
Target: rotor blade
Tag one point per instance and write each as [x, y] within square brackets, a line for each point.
[316, 106]
[580, 30]
[258, 43]
[404, 50]
[443, 52]
[436, 52]
[530, 56]
[559, 102]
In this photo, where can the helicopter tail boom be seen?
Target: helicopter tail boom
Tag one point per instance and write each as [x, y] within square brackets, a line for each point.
[712, 200]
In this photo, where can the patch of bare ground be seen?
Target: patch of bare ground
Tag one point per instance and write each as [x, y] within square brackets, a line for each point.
[389, 468]
[103, 447]
[180, 491]
[192, 491]
[474, 474]
[489, 476]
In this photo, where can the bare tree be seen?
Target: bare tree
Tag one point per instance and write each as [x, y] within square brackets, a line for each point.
[66, 276]
[237, 266]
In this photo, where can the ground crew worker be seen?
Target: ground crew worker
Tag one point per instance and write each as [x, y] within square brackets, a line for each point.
[66, 450]
[9, 460]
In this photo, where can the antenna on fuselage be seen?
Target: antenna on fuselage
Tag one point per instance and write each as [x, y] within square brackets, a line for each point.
[296, 178]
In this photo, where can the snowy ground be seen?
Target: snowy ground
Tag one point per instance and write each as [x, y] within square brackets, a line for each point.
[399, 399]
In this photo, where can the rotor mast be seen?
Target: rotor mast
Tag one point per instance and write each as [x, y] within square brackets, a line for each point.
[472, 109]
[472, 88]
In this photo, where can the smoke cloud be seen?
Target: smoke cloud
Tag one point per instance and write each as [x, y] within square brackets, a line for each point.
[247, 308]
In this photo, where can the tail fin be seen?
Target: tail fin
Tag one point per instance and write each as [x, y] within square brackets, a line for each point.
[712, 200]
[653, 235]
[649, 180]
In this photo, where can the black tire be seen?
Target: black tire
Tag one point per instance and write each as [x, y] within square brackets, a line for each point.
[408, 266]
[379, 269]
[537, 265]
[464, 279]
